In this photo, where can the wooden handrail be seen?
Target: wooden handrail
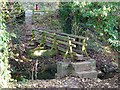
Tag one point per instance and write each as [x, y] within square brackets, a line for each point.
[64, 34]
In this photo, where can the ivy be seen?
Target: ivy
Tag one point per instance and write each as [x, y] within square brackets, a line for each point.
[66, 18]
[4, 41]
[98, 17]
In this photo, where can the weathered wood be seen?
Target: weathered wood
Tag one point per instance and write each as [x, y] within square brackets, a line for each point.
[69, 35]
[74, 36]
[63, 48]
[57, 35]
[62, 40]
[58, 41]
[59, 47]
[75, 42]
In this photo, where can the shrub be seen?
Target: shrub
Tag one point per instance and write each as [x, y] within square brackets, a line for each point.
[98, 17]
[4, 66]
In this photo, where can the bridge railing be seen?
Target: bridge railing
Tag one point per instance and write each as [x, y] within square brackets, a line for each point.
[64, 42]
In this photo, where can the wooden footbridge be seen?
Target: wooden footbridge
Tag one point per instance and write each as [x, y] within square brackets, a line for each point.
[68, 44]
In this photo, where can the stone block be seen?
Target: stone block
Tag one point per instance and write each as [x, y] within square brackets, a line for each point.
[85, 65]
[86, 74]
[82, 66]
[61, 69]
[93, 64]
[81, 69]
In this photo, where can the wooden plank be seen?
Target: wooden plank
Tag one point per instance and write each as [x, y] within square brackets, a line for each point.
[47, 34]
[61, 42]
[64, 38]
[65, 34]
[73, 36]
[70, 35]
[49, 41]
[57, 35]
[59, 48]
[78, 43]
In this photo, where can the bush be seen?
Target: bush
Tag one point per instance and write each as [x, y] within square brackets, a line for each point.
[96, 16]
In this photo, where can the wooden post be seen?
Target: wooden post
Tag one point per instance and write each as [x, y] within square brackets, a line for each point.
[69, 50]
[42, 40]
[54, 46]
[36, 69]
[84, 51]
[32, 76]
[33, 35]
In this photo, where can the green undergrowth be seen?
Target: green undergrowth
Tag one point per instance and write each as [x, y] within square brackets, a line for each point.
[99, 18]
[40, 52]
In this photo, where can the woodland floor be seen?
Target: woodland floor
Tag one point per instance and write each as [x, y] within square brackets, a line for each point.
[71, 82]
[111, 81]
